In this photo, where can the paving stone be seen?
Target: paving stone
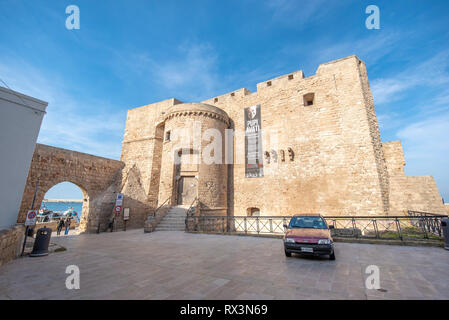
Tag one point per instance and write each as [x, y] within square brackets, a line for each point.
[178, 265]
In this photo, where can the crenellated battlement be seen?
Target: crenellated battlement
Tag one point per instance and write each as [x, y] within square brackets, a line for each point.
[285, 81]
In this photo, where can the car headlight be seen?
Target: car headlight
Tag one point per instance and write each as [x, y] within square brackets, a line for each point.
[324, 241]
[290, 240]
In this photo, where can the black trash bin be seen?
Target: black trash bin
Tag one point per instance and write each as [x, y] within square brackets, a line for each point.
[41, 243]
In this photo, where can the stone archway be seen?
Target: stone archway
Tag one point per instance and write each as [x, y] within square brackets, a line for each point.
[94, 175]
[85, 208]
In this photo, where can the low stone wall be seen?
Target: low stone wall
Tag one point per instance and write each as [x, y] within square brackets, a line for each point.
[11, 241]
[52, 225]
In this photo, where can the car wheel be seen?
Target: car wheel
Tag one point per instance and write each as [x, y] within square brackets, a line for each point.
[332, 256]
[287, 254]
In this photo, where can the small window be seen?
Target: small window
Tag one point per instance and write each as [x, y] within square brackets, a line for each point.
[253, 212]
[269, 84]
[216, 100]
[232, 94]
[167, 136]
[309, 99]
[290, 77]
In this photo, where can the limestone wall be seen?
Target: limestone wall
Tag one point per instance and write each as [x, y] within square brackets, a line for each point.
[409, 193]
[95, 176]
[11, 241]
[335, 168]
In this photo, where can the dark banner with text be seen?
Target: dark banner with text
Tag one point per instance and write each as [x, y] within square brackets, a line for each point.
[253, 143]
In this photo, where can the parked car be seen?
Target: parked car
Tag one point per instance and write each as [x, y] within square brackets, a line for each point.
[308, 234]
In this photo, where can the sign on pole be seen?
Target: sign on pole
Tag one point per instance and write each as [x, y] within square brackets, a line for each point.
[31, 218]
[119, 199]
[117, 210]
[126, 214]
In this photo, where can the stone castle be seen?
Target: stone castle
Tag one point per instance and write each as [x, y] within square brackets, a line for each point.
[323, 154]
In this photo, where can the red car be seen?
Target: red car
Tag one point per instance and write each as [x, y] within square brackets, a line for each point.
[308, 234]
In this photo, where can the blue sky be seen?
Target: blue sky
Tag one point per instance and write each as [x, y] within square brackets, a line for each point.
[131, 53]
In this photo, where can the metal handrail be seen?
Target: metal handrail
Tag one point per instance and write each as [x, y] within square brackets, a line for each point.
[368, 227]
[424, 214]
[157, 209]
[191, 205]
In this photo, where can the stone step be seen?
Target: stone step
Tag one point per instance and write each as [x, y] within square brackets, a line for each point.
[174, 220]
[175, 217]
[169, 229]
[167, 225]
[171, 225]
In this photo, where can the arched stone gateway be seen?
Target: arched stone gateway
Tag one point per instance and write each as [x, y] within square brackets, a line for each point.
[97, 177]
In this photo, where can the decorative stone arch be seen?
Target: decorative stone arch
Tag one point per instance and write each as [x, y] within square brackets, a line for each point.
[95, 176]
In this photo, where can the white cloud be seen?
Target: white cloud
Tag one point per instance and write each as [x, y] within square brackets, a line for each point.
[426, 148]
[189, 73]
[298, 13]
[431, 72]
[389, 90]
[69, 122]
[371, 48]
[389, 120]
[194, 72]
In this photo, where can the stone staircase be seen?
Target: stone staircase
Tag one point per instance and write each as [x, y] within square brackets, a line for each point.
[174, 220]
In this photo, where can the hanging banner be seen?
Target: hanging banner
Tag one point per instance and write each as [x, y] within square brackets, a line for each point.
[253, 143]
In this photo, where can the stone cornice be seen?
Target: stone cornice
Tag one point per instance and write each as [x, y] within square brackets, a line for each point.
[209, 114]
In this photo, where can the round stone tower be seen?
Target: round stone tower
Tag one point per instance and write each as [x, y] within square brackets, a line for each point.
[193, 158]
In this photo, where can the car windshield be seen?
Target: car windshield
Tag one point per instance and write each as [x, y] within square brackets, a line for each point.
[307, 222]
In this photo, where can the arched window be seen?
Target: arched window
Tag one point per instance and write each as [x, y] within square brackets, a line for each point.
[253, 212]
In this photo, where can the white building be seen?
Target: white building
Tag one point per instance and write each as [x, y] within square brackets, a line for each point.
[20, 122]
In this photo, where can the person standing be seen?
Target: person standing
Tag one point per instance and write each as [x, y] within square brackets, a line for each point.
[60, 226]
[67, 226]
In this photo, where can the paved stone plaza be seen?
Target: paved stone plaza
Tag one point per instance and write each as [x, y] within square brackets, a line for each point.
[177, 265]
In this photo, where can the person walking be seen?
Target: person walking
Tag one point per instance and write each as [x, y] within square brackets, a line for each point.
[111, 224]
[60, 226]
[67, 226]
